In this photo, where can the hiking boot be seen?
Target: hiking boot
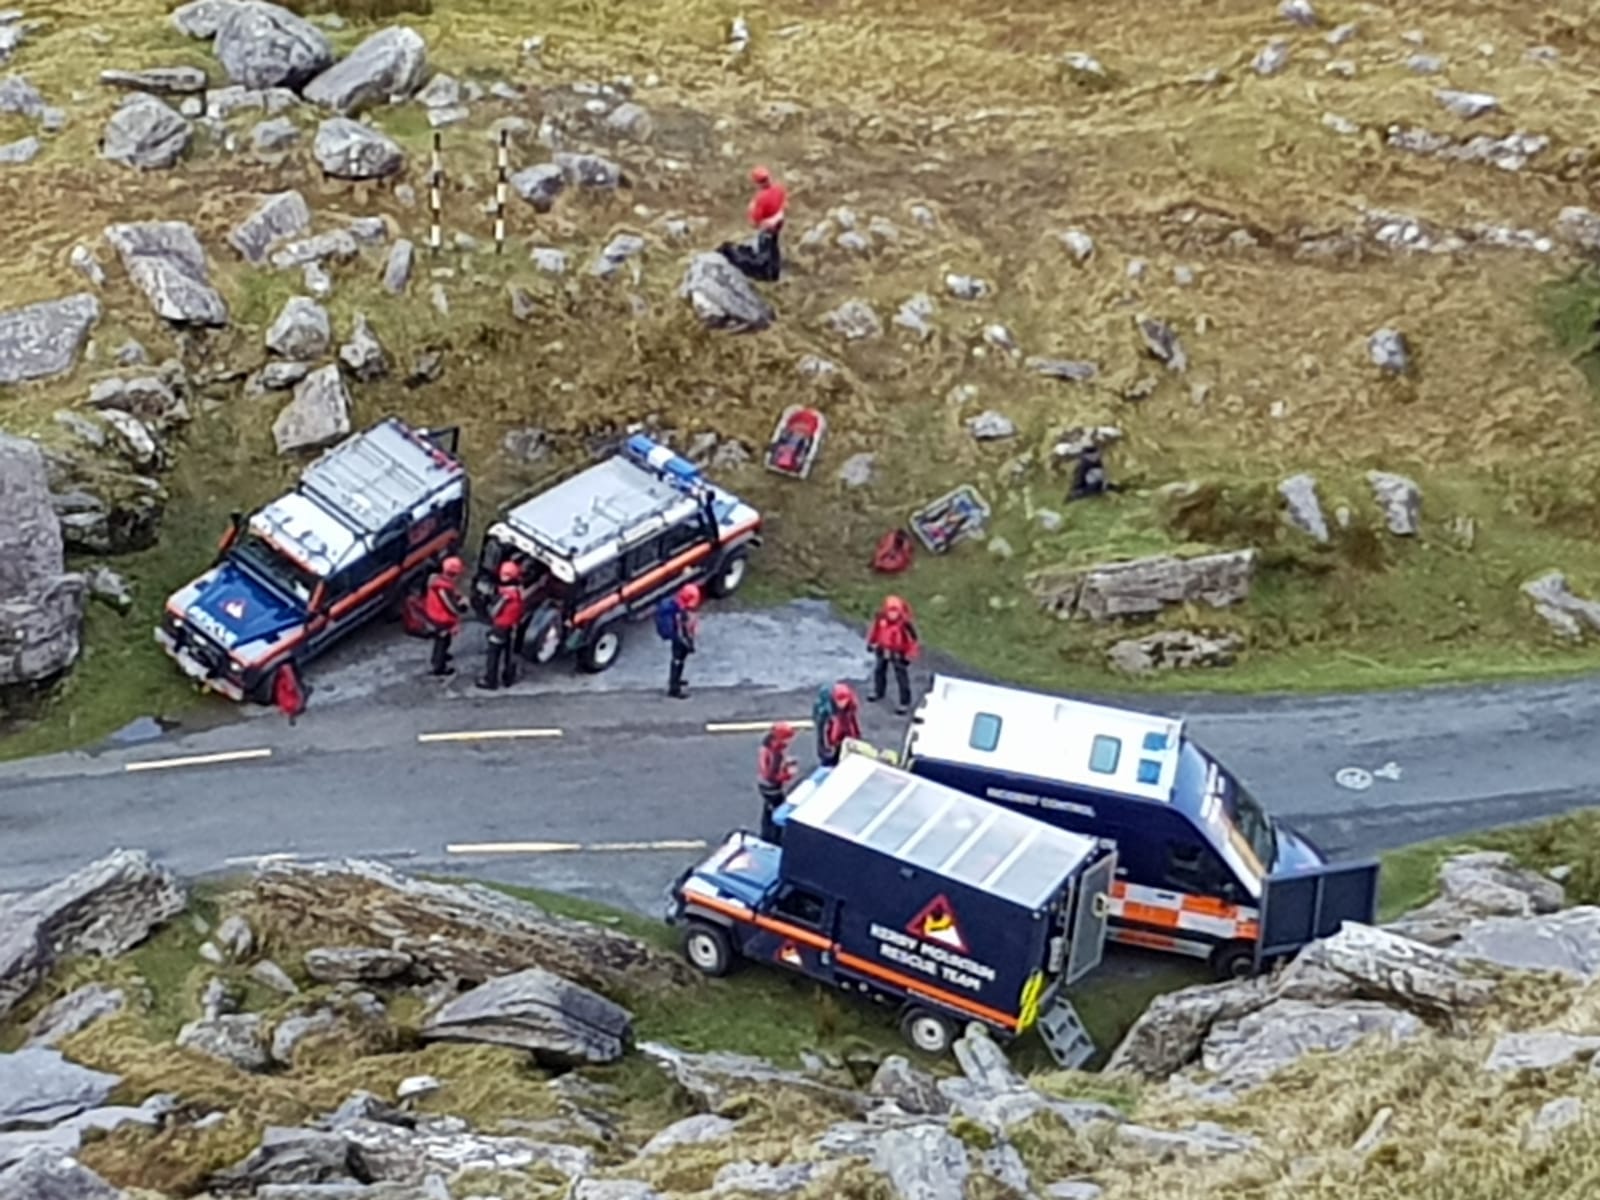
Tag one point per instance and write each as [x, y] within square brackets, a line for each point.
[901, 710]
[443, 671]
[487, 685]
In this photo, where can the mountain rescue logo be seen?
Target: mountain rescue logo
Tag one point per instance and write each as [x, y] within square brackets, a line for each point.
[789, 955]
[937, 923]
[235, 609]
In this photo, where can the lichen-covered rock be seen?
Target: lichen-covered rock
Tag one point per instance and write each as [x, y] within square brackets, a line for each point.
[347, 149]
[1476, 886]
[279, 216]
[356, 964]
[45, 339]
[165, 261]
[722, 297]
[238, 1039]
[262, 45]
[1569, 615]
[1106, 591]
[75, 1011]
[386, 68]
[318, 415]
[145, 133]
[1400, 499]
[1173, 649]
[1302, 507]
[557, 1020]
[302, 330]
[363, 355]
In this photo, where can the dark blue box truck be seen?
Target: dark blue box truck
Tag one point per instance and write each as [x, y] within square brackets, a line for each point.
[1203, 871]
[916, 896]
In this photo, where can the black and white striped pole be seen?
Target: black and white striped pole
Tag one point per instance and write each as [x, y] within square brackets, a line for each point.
[501, 162]
[435, 194]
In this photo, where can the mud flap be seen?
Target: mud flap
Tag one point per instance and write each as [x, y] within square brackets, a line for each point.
[1301, 908]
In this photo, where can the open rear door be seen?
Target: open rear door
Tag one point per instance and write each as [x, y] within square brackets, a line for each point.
[1307, 905]
[447, 439]
[1088, 946]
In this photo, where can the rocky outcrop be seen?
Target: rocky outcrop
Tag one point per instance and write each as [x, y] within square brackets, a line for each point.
[44, 339]
[445, 1145]
[386, 68]
[558, 1021]
[1400, 500]
[717, 1078]
[1173, 650]
[262, 45]
[723, 297]
[165, 261]
[1569, 616]
[201, 18]
[279, 216]
[1539, 1050]
[398, 266]
[347, 149]
[318, 415]
[338, 245]
[467, 932]
[1249, 1049]
[238, 1039]
[41, 604]
[1474, 887]
[355, 964]
[540, 185]
[1144, 586]
[593, 172]
[294, 1157]
[46, 1174]
[1567, 943]
[145, 133]
[160, 81]
[105, 909]
[363, 355]
[39, 1088]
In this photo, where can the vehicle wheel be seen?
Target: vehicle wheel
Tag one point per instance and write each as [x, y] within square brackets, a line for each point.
[927, 1031]
[730, 574]
[602, 650]
[542, 641]
[707, 948]
[262, 692]
[1234, 960]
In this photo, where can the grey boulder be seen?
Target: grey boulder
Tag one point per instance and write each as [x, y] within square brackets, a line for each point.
[398, 266]
[723, 298]
[1143, 586]
[163, 81]
[44, 339]
[388, 67]
[165, 261]
[715, 1078]
[338, 245]
[347, 149]
[302, 331]
[910, 1088]
[619, 250]
[20, 98]
[539, 185]
[355, 964]
[363, 355]
[75, 1011]
[591, 171]
[202, 18]
[146, 133]
[1400, 499]
[923, 1162]
[1476, 886]
[234, 1038]
[558, 1020]
[1302, 507]
[274, 135]
[39, 1088]
[1248, 1050]
[1539, 1050]
[41, 604]
[1566, 942]
[20, 151]
[262, 45]
[291, 1031]
[318, 414]
[47, 1174]
[1567, 613]
[691, 1131]
[294, 1156]
[278, 216]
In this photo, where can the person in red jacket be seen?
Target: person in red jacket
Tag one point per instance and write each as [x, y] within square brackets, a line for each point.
[442, 607]
[685, 631]
[505, 614]
[287, 693]
[775, 770]
[767, 210]
[843, 725]
[893, 642]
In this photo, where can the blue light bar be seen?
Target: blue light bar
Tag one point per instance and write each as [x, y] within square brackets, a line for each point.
[675, 469]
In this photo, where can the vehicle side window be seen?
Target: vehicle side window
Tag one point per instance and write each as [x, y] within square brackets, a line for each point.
[801, 906]
[642, 558]
[1191, 867]
[679, 538]
[602, 579]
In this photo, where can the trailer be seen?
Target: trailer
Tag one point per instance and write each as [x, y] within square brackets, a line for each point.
[914, 896]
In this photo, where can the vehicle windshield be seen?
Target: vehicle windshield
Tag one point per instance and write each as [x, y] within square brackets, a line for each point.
[263, 560]
[1219, 798]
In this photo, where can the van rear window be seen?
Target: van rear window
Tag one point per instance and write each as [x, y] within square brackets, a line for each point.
[985, 732]
[1104, 754]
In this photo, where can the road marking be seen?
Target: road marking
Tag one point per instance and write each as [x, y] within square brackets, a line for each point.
[196, 760]
[512, 847]
[570, 847]
[488, 735]
[669, 844]
[752, 726]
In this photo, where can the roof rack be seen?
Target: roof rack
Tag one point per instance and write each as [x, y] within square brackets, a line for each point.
[373, 477]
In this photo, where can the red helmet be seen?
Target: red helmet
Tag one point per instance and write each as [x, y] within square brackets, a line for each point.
[760, 175]
[844, 695]
[689, 595]
[782, 731]
[510, 572]
[893, 606]
[452, 567]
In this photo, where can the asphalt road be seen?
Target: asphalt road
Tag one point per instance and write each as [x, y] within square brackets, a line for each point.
[611, 808]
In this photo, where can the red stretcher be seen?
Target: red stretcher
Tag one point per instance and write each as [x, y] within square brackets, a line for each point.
[796, 441]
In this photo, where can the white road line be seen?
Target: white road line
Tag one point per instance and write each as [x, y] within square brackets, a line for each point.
[685, 844]
[488, 735]
[196, 760]
[512, 847]
[752, 726]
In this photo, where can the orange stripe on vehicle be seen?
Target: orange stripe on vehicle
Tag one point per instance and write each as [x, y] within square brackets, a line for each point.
[1148, 914]
[740, 912]
[1250, 931]
[650, 578]
[1137, 937]
[919, 988]
[1208, 906]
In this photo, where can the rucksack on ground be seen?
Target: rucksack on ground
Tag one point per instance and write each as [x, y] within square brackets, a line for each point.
[893, 553]
[667, 618]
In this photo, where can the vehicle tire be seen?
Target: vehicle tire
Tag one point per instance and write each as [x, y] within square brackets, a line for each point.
[541, 640]
[262, 692]
[928, 1032]
[600, 651]
[730, 574]
[707, 948]
[1234, 960]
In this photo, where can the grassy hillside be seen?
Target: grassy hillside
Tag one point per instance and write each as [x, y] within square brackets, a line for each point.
[1219, 200]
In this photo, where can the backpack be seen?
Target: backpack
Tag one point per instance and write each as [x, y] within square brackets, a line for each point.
[894, 552]
[667, 619]
[822, 711]
[413, 619]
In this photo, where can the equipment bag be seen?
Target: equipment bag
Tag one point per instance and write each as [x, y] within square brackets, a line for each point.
[894, 552]
[413, 618]
[822, 709]
[667, 619]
